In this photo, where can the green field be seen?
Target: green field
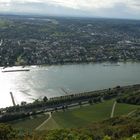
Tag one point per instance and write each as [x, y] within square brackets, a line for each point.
[50, 125]
[76, 117]
[4, 23]
[30, 123]
[124, 109]
[83, 116]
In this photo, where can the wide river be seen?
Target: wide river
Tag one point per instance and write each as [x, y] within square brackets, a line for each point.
[54, 81]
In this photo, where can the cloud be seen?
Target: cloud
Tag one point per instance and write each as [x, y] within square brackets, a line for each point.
[134, 5]
[107, 8]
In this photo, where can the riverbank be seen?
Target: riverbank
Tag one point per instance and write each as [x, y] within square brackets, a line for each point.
[72, 63]
[50, 80]
[64, 102]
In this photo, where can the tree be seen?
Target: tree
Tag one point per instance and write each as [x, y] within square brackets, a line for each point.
[45, 99]
[65, 134]
[23, 103]
[7, 132]
[107, 138]
[90, 102]
[80, 103]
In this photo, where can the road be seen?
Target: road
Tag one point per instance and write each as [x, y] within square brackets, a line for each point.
[50, 115]
[130, 113]
[113, 110]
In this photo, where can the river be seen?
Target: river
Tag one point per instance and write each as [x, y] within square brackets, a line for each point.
[56, 80]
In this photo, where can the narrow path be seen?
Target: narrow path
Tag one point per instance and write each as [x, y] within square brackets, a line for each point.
[113, 110]
[130, 113]
[50, 115]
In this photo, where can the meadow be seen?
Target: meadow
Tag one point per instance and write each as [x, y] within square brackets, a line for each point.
[75, 117]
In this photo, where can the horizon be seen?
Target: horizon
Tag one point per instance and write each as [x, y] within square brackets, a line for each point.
[60, 16]
[116, 9]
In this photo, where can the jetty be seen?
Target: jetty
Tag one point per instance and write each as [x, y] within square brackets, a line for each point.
[20, 70]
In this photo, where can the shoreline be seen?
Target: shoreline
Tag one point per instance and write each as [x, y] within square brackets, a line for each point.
[73, 63]
[64, 102]
[129, 75]
[86, 93]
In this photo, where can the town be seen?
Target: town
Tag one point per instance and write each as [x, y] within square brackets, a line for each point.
[46, 40]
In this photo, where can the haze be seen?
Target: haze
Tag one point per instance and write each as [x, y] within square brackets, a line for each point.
[81, 8]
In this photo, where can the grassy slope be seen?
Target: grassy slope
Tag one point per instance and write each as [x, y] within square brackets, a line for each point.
[50, 125]
[124, 109]
[80, 116]
[84, 115]
[29, 123]
[4, 23]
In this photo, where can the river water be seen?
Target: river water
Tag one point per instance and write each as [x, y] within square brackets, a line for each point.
[58, 80]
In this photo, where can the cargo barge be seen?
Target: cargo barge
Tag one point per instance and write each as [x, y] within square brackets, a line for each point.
[20, 70]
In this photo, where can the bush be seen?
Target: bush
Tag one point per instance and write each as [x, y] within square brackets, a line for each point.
[7, 132]
[65, 134]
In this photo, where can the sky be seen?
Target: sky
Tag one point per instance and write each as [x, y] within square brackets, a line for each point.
[82, 8]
